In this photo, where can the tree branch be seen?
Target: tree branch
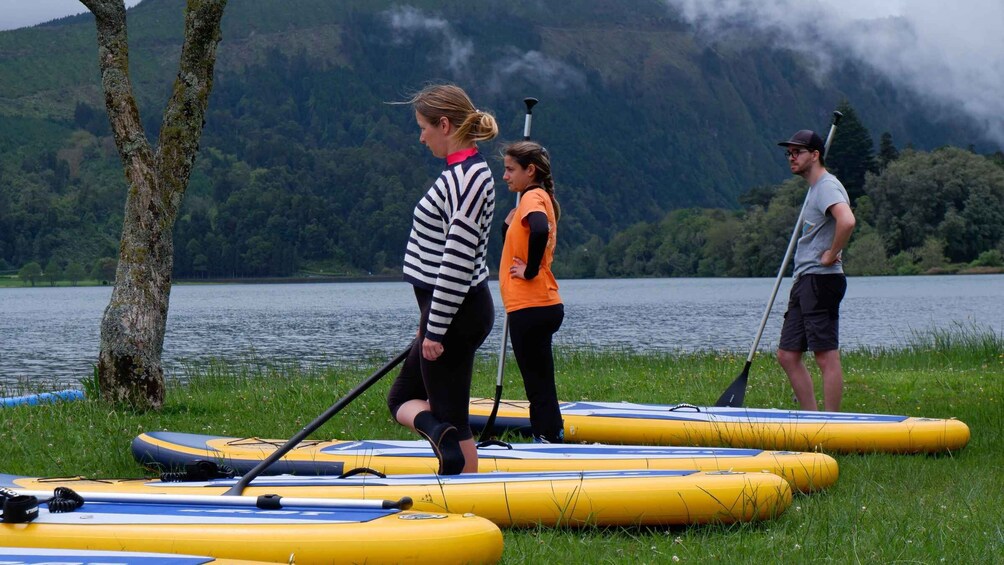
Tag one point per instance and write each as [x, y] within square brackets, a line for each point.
[185, 114]
[113, 60]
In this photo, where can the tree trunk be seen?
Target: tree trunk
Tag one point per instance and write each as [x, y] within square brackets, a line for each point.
[132, 329]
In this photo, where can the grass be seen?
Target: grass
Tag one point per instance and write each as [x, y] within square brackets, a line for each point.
[884, 509]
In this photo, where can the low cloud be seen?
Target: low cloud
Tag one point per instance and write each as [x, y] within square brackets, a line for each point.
[407, 21]
[538, 69]
[950, 54]
[533, 67]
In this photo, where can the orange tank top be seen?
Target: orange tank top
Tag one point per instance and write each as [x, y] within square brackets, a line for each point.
[542, 290]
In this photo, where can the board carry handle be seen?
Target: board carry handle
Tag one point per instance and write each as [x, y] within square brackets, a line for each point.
[362, 471]
[494, 442]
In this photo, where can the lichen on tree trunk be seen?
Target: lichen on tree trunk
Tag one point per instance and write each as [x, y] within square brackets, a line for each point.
[130, 370]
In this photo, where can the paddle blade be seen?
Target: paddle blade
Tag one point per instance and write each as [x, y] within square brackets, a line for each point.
[734, 395]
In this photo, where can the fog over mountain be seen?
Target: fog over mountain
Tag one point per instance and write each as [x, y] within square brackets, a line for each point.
[950, 54]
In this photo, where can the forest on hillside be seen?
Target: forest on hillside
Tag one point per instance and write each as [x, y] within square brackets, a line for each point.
[306, 169]
[918, 212]
[938, 211]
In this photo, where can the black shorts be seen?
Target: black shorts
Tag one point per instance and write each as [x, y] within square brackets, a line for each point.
[812, 320]
[446, 382]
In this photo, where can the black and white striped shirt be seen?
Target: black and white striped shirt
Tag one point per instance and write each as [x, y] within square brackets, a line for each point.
[449, 239]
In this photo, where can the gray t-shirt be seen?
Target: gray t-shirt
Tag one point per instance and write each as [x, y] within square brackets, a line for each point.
[818, 227]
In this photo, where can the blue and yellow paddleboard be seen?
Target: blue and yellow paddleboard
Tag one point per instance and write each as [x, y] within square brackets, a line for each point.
[46, 556]
[318, 532]
[548, 498]
[684, 424]
[805, 471]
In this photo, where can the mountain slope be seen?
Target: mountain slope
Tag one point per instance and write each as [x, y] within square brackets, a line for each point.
[304, 163]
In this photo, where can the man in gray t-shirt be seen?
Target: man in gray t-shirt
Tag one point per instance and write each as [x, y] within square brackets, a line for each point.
[811, 322]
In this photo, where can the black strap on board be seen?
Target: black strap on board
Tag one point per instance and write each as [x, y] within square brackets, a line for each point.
[19, 509]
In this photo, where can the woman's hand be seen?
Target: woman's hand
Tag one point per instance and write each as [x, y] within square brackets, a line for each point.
[518, 269]
[431, 350]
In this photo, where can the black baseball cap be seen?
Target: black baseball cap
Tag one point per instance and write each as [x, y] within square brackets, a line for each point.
[805, 138]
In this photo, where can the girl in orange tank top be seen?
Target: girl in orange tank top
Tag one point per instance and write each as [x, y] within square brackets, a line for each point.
[528, 287]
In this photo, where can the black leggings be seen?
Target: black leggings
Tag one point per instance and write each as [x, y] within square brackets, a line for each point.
[446, 382]
[531, 330]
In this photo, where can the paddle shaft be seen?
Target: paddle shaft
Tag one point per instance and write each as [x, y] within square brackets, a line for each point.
[730, 394]
[265, 502]
[317, 423]
[486, 433]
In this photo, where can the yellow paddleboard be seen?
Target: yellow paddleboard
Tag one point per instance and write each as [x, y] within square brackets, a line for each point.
[46, 556]
[684, 424]
[306, 534]
[805, 471]
[602, 498]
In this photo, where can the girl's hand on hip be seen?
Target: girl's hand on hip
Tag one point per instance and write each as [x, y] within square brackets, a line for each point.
[518, 269]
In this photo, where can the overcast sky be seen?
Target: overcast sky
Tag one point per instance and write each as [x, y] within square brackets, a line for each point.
[951, 53]
[24, 13]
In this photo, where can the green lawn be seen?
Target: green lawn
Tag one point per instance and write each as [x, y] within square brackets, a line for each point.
[884, 509]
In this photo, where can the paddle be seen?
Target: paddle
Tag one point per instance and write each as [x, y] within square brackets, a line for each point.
[264, 502]
[734, 395]
[486, 432]
[317, 423]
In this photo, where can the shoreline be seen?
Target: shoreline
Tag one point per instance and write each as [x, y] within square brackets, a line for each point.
[397, 278]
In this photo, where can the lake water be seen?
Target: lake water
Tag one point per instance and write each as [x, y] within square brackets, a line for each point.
[51, 335]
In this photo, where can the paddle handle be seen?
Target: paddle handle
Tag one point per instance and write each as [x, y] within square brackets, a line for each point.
[530, 103]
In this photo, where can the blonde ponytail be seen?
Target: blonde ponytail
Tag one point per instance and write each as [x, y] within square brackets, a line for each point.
[451, 102]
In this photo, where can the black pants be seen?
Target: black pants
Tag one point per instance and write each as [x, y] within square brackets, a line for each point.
[531, 330]
[446, 382]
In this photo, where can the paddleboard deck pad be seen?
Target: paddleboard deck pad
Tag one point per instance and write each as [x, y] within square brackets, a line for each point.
[551, 498]
[173, 450]
[46, 556]
[684, 424]
[305, 534]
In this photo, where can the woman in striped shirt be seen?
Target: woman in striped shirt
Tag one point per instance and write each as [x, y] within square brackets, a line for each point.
[445, 261]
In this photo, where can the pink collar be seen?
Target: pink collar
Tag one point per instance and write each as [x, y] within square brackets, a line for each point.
[460, 156]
